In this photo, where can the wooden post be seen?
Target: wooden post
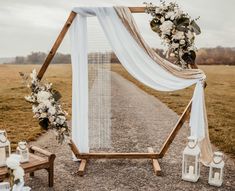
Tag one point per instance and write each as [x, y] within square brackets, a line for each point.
[156, 166]
[73, 147]
[56, 45]
[82, 167]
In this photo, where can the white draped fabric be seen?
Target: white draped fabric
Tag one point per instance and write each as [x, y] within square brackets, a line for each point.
[135, 60]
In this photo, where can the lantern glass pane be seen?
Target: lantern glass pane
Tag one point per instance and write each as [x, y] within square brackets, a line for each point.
[2, 155]
[216, 173]
[7, 151]
[189, 164]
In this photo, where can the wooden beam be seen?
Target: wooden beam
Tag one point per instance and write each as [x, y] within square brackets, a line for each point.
[137, 9]
[82, 167]
[110, 155]
[74, 148]
[56, 45]
[61, 37]
[117, 155]
[156, 166]
[177, 127]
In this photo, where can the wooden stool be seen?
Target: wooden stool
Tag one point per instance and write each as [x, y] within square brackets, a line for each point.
[36, 163]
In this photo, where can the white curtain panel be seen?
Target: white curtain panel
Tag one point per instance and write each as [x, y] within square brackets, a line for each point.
[135, 60]
[78, 37]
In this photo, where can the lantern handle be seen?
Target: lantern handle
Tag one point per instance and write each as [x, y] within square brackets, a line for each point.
[193, 145]
[219, 160]
[23, 148]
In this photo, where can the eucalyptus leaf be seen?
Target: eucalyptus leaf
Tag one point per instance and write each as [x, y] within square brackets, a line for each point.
[195, 27]
[181, 28]
[183, 21]
[155, 25]
[44, 123]
[189, 57]
[56, 95]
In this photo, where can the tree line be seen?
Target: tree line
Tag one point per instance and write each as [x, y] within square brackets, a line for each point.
[207, 56]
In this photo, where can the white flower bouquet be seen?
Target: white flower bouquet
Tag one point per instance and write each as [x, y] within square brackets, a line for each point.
[176, 29]
[15, 170]
[46, 105]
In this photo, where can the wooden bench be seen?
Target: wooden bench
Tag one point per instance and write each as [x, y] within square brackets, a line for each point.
[46, 161]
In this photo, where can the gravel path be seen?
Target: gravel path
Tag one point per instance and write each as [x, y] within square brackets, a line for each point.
[138, 121]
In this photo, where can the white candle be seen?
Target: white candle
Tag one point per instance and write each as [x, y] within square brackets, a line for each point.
[216, 176]
[191, 169]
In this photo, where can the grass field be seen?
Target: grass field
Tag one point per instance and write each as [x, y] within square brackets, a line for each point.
[16, 115]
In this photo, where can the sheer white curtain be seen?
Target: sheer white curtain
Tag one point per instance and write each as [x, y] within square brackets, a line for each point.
[78, 37]
[136, 61]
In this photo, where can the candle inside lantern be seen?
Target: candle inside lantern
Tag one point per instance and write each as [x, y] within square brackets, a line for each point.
[191, 169]
[216, 176]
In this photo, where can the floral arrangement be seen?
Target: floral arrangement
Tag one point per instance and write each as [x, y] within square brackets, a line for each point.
[16, 172]
[176, 29]
[46, 105]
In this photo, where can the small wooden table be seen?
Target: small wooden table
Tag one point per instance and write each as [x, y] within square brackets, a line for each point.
[35, 163]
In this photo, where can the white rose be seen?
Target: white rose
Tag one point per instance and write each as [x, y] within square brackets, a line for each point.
[166, 27]
[162, 19]
[43, 96]
[157, 10]
[178, 35]
[18, 173]
[47, 103]
[13, 162]
[182, 41]
[60, 120]
[174, 45]
[52, 110]
[170, 14]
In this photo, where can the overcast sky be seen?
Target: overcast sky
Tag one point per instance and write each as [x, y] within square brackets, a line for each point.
[33, 25]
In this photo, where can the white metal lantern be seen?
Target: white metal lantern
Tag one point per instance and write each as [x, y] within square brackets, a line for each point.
[190, 164]
[216, 170]
[23, 151]
[5, 148]
[5, 186]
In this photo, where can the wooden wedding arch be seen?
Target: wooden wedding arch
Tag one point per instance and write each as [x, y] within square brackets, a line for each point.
[154, 156]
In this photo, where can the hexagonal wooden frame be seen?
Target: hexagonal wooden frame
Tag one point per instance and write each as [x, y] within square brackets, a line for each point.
[86, 156]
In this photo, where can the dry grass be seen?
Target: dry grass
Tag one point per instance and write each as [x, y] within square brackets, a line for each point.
[16, 115]
[220, 100]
